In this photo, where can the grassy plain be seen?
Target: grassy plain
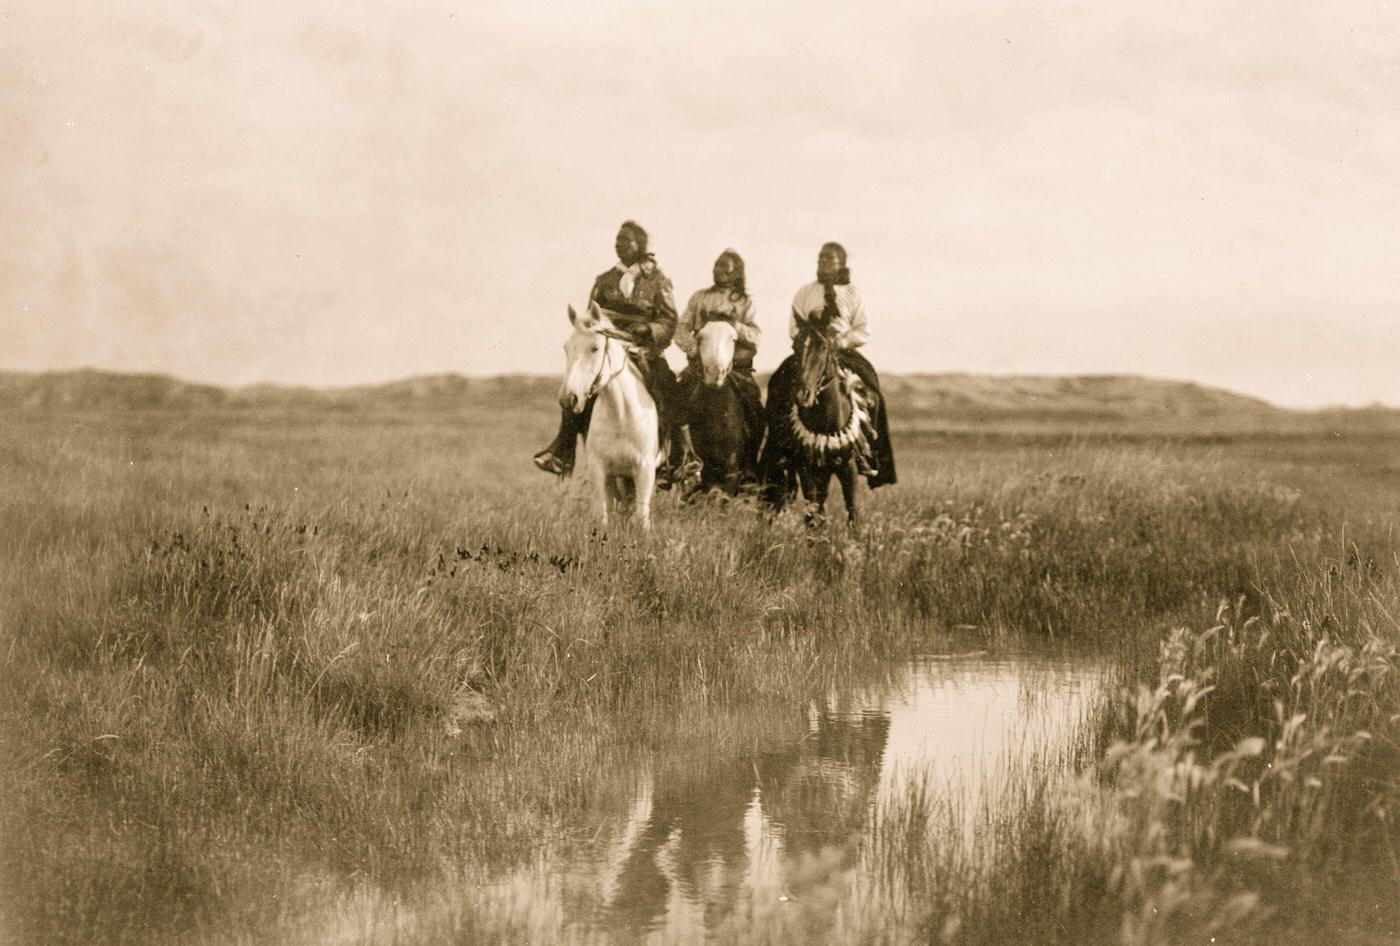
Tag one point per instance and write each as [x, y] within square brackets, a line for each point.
[269, 668]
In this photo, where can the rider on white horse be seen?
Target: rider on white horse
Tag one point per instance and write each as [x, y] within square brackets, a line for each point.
[639, 302]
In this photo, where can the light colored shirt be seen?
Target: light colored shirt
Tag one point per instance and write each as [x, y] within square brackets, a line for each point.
[709, 303]
[849, 327]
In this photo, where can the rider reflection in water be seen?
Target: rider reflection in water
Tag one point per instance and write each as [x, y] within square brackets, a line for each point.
[813, 791]
[639, 301]
[727, 299]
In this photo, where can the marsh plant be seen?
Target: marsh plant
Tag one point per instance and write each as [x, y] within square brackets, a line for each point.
[1182, 829]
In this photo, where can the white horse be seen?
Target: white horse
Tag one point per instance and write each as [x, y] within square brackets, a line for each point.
[622, 444]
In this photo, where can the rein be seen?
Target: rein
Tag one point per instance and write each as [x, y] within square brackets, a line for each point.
[598, 383]
[707, 317]
[815, 337]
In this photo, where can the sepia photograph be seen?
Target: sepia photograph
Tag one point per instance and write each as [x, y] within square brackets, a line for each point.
[661, 472]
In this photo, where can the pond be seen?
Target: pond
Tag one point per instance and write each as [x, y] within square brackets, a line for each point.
[708, 838]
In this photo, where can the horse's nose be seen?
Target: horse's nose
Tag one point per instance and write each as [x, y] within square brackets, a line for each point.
[567, 400]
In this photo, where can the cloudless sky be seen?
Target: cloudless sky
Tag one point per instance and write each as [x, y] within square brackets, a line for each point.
[341, 191]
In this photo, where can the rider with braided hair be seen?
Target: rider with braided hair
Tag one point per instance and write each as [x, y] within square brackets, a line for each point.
[728, 299]
[833, 306]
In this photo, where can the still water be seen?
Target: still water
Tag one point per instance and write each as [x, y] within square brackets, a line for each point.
[709, 836]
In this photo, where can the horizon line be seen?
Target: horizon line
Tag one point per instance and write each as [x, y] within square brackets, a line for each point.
[528, 375]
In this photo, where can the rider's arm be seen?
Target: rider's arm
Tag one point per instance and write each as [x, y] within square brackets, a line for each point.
[859, 332]
[661, 324]
[746, 325]
[685, 326]
[799, 313]
[596, 293]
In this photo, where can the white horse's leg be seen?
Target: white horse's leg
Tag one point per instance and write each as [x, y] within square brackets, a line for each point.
[626, 493]
[644, 483]
[600, 480]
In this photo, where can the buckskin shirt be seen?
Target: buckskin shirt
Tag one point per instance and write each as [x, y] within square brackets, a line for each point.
[849, 327]
[642, 294]
[710, 303]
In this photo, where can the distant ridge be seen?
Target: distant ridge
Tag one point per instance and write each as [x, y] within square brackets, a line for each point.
[917, 400]
[1089, 396]
[88, 389]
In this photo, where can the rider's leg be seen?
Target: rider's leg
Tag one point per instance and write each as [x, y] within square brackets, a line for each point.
[684, 402]
[675, 435]
[883, 447]
[865, 460]
[868, 460]
[751, 403]
[775, 472]
[558, 457]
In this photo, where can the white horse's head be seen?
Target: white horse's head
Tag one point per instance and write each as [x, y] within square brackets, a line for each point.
[588, 357]
[716, 344]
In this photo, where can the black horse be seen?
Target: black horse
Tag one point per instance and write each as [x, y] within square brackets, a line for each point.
[822, 421]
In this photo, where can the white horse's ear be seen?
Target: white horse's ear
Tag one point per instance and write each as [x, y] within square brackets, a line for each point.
[594, 317]
[573, 316]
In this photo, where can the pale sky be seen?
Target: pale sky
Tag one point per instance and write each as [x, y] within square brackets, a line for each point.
[339, 191]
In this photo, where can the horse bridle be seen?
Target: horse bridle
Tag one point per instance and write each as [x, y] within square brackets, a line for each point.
[829, 354]
[598, 382]
[854, 431]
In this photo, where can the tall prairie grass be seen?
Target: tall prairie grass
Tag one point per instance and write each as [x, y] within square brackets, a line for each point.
[264, 662]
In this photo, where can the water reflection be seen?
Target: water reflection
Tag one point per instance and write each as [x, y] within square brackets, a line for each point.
[778, 824]
[959, 720]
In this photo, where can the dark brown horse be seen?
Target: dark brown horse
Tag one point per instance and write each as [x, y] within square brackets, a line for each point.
[724, 436]
[819, 419]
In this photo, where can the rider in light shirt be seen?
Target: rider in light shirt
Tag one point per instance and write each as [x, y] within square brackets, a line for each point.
[833, 306]
[727, 299]
[846, 321]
